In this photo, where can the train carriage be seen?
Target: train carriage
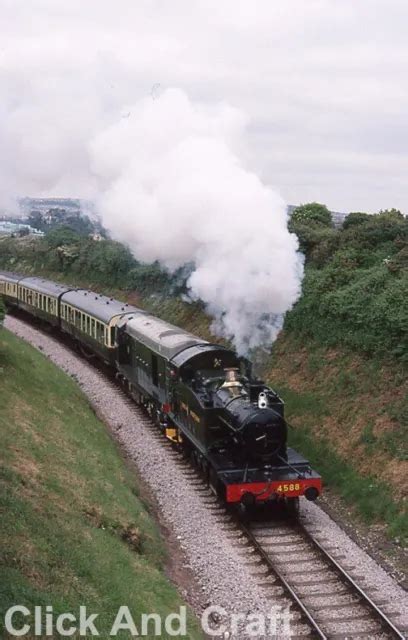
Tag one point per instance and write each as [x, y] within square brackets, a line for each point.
[41, 298]
[146, 345]
[91, 318]
[9, 287]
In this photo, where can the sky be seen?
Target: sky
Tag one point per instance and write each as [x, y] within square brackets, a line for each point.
[321, 85]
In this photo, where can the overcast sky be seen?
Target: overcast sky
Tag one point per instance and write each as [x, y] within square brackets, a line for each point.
[323, 84]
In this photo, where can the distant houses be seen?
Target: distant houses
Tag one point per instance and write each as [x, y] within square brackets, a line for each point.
[9, 228]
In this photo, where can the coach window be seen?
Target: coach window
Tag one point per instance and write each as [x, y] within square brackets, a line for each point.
[92, 327]
[112, 336]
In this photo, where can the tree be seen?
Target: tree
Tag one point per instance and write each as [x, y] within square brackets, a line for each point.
[61, 236]
[394, 214]
[312, 224]
[355, 218]
[36, 220]
[312, 213]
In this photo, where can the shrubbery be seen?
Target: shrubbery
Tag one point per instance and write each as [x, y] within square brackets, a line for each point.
[355, 290]
[104, 262]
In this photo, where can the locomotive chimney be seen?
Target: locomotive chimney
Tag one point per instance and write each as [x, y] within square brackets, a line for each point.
[231, 378]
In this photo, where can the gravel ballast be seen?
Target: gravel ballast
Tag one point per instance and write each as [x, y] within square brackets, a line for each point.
[208, 546]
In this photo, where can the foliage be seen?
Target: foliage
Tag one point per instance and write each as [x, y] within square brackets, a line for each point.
[312, 224]
[60, 236]
[355, 218]
[312, 213]
[102, 262]
[355, 290]
[75, 529]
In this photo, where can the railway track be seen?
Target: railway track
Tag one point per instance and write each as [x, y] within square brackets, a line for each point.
[328, 598]
[330, 602]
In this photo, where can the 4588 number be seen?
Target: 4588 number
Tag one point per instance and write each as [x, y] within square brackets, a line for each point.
[283, 488]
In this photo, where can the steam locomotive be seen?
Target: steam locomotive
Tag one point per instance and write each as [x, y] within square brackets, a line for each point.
[201, 395]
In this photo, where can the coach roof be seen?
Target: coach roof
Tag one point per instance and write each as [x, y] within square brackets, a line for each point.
[98, 306]
[7, 276]
[46, 287]
[160, 336]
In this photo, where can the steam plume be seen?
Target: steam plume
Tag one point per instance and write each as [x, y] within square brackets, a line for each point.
[175, 191]
[168, 180]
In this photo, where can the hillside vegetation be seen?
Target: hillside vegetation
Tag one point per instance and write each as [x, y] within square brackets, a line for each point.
[355, 291]
[341, 363]
[74, 528]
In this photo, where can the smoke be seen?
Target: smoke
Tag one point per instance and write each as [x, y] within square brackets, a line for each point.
[168, 180]
[174, 190]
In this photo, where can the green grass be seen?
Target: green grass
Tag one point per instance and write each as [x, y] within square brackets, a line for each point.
[74, 529]
[370, 499]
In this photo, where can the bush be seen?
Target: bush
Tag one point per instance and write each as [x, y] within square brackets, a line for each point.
[312, 213]
[355, 290]
[355, 218]
[312, 224]
[62, 236]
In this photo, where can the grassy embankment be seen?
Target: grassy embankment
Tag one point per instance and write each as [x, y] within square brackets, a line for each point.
[74, 528]
[349, 416]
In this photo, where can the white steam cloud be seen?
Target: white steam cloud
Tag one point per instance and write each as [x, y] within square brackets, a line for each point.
[175, 191]
[168, 181]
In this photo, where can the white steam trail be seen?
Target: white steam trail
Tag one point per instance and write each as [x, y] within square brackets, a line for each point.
[176, 192]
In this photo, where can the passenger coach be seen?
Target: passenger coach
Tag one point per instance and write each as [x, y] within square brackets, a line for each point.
[91, 319]
[8, 287]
